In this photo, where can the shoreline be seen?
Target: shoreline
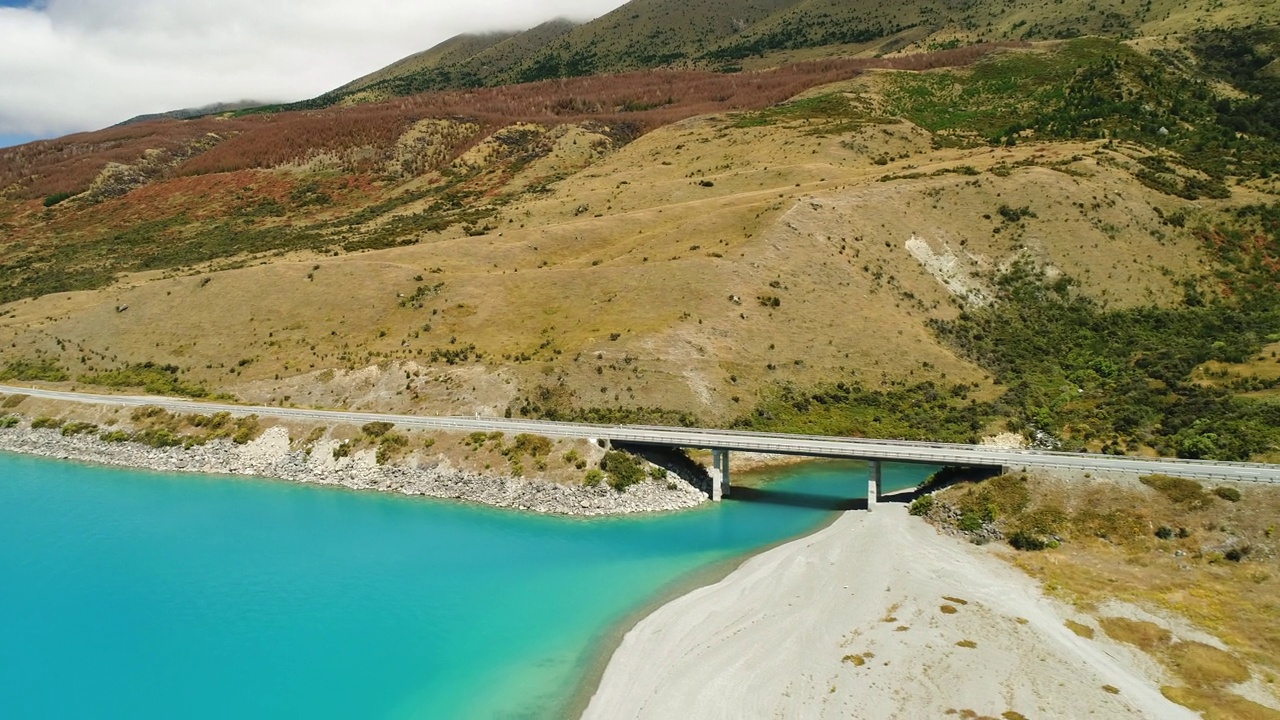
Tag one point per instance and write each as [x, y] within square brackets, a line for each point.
[612, 638]
[875, 615]
[271, 457]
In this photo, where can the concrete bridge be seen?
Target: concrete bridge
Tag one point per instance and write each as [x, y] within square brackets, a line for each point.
[722, 442]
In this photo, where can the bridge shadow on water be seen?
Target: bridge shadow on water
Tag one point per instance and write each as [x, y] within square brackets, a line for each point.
[813, 502]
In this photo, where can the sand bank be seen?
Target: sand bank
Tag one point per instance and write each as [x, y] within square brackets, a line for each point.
[850, 622]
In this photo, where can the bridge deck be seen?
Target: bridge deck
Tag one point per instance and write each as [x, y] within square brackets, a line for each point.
[776, 443]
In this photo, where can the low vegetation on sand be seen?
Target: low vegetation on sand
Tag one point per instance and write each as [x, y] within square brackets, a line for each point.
[1173, 546]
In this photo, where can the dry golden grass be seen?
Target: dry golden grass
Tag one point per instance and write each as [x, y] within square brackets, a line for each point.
[636, 244]
[1111, 551]
[1080, 629]
[1146, 636]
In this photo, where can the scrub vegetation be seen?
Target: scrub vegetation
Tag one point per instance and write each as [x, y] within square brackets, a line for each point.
[413, 254]
[1107, 540]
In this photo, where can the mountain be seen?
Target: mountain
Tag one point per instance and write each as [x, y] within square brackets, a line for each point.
[646, 34]
[188, 113]
[460, 62]
[1072, 239]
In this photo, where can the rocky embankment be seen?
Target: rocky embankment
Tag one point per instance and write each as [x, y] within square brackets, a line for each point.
[271, 456]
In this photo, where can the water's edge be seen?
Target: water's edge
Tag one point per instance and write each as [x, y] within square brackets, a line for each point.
[611, 639]
[271, 456]
[249, 462]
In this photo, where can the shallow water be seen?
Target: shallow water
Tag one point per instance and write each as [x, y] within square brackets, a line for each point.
[128, 594]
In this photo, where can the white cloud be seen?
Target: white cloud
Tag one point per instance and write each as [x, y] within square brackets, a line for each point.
[72, 65]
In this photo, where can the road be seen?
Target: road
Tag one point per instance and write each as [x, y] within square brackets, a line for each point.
[779, 443]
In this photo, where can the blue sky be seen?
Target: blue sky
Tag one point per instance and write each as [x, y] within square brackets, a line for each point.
[73, 65]
[11, 139]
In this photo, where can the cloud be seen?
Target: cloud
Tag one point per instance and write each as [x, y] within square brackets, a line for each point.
[70, 65]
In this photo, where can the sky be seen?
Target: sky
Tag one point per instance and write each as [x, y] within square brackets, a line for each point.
[73, 65]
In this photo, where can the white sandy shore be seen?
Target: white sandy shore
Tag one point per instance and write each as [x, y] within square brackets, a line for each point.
[769, 641]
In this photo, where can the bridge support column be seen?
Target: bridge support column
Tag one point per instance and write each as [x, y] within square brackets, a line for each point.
[873, 484]
[719, 474]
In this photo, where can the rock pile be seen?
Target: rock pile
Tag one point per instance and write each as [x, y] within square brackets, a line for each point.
[270, 456]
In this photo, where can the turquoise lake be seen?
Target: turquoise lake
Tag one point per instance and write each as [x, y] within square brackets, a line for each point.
[127, 594]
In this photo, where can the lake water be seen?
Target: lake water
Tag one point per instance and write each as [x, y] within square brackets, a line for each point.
[127, 594]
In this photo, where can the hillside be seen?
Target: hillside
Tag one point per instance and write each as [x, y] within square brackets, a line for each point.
[1076, 240]
[757, 34]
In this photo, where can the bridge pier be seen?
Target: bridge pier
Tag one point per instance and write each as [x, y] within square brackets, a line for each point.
[719, 474]
[873, 485]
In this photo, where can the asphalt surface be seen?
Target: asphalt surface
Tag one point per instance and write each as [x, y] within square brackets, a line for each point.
[779, 443]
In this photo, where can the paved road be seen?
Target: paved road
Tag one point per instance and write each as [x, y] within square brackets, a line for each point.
[784, 444]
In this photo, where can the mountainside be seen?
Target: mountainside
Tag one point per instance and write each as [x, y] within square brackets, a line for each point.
[763, 33]
[188, 113]
[1076, 240]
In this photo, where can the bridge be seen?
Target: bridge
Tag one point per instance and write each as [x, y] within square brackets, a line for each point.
[722, 442]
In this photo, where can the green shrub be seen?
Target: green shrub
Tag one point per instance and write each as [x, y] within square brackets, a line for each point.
[533, 445]
[247, 429]
[376, 429]
[1164, 532]
[1179, 491]
[76, 428]
[970, 522]
[343, 449]
[46, 422]
[1022, 540]
[998, 497]
[624, 469]
[114, 436]
[9, 421]
[1236, 554]
[1229, 494]
[42, 369]
[157, 438]
[657, 473]
[921, 506]
[55, 198]
[388, 445]
[151, 377]
[593, 477]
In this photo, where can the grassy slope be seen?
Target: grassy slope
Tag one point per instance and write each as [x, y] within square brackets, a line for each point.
[457, 49]
[671, 242]
[1214, 572]
[765, 33]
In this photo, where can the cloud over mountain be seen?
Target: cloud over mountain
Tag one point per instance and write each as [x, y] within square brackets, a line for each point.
[68, 65]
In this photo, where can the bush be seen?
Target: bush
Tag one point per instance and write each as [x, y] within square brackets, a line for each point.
[388, 445]
[533, 445]
[9, 421]
[921, 506]
[1022, 540]
[1180, 491]
[376, 429]
[55, 198]
[970, 522]
[1164, 532]
[155, 379]
[247, 429]
[114, 436]
[624, 469]
[46, 422]
[657, 473]
[1236, 554]
[42, 369]
[76, 428]
[343, 449]
[1229, 494]
[157, 438]
[593, 477]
